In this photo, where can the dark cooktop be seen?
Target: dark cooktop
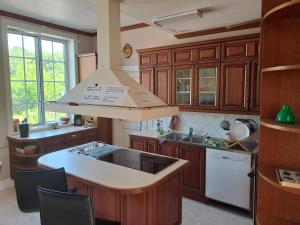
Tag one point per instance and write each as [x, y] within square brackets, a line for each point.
[138, 160]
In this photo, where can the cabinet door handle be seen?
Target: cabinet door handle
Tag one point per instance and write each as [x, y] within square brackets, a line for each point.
[177, 151]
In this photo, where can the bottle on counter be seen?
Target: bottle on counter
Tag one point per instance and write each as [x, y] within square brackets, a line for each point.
[24, 128]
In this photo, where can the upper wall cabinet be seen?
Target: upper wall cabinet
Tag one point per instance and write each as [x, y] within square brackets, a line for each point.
[87, 65]
[209, 53]
[240, 49]
[185, 55]
[147, 78]
[159, 58]
[219, 76]
[235, 86]
[163, 84]
[147, 59]
[207, 85]
[163, 58]
[183, 80]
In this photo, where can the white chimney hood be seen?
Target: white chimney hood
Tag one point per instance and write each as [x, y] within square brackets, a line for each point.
[109, 92]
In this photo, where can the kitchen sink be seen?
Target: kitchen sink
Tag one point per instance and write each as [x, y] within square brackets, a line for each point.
[175, 136]
[194, 139]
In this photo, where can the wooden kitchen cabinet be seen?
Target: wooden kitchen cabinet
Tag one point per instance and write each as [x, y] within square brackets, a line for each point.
[147, 59]
[170, 149]
[208, 53]
[156, 58]
[78, 186]
[163, 84]
[183, 86]
[87, 64]
[194, 173]
[255, 86]
[235, 86]
[138, 143]
[46, 142]
[164, 58]
[147, 78]
[239, 49]
[153, 146]
[207, 86]
[177, 75]
[186, 55]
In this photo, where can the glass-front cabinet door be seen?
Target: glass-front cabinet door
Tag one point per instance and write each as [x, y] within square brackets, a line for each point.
[183, 83]
[207, 86]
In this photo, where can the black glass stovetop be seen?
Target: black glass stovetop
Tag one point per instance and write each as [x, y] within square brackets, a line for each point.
[138, 160]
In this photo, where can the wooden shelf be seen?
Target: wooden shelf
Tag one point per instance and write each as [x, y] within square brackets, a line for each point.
[284, 11]
[25, 156]
[208, 77]
[281, 68]
[293, 128]
[24, 166]
[269, 175]
[265, 219]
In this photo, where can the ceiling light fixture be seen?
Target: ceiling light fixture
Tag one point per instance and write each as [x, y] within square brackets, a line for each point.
[187, 15]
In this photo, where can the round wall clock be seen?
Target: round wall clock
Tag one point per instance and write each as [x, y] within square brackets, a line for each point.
[127, 51]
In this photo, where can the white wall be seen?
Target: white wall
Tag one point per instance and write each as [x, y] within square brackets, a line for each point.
[86, 44]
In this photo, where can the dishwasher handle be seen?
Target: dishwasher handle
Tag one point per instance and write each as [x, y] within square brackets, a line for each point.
[226, 157]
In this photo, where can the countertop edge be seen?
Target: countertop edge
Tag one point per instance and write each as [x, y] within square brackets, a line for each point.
[175, 168]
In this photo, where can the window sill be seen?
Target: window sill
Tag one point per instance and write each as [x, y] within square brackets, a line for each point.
[45, 127]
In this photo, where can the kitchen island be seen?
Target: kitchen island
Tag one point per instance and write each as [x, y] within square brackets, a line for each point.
[128, 186]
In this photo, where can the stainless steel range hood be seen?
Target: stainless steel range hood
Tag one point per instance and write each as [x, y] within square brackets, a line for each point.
[109, 92]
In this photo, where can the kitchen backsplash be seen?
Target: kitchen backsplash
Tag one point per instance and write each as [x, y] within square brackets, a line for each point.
[202, 123]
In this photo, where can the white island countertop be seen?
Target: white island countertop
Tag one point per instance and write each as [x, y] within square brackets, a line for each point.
[106, 174]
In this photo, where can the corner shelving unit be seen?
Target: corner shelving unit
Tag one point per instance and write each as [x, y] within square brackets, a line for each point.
[279, 143]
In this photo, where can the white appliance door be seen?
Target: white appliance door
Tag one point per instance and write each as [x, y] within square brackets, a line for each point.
[227, 177]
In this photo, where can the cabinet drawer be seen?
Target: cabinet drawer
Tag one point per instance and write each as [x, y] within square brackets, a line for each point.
[54, 144]
[185, 55]
[209, 53]
[90, 135]
[73, 139]
[240, 49]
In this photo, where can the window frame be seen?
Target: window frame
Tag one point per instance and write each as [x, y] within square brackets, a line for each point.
[39, 69]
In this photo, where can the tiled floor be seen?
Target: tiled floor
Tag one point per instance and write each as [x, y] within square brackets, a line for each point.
[194, 213]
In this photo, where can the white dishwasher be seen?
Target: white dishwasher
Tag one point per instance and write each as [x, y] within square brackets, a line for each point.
[227, 177]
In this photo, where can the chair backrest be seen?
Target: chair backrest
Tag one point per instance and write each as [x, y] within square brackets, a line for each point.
[61, 208]
[27, 184]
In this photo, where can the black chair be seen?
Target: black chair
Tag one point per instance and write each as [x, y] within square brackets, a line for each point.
[61, 208]
[27, 184]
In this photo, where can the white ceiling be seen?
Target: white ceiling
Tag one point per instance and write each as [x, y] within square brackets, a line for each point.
[81, 14]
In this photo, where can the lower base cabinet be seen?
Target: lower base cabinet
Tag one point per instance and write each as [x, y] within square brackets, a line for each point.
[170, 149]
[193, 175]
[160, 205]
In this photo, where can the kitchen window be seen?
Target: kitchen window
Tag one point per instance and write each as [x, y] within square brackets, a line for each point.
[38, 68]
